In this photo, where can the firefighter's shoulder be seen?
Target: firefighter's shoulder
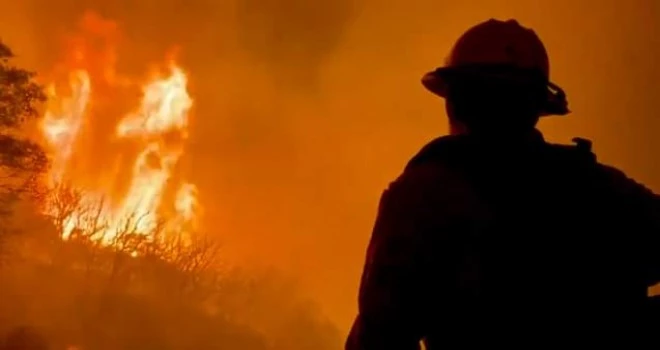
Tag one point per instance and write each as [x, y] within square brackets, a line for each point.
[617, 180]
[430, 179]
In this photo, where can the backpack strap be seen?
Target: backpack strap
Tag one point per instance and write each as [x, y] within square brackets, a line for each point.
[578, 155]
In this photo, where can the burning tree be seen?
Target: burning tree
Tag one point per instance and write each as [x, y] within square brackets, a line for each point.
[129, 266]
[115, 160]
[116, 192]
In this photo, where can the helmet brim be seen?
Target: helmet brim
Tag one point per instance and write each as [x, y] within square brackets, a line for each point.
[437, 82]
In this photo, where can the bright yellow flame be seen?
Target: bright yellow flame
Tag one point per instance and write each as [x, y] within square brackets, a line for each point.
[164, 108]
[62, 125]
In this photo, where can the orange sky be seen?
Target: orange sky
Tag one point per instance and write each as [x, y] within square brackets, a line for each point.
[303, 113]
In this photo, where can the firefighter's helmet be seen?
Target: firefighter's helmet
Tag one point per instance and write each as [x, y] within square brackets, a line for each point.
[499, 50]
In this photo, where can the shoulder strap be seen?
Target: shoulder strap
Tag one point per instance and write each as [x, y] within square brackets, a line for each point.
[580, 150]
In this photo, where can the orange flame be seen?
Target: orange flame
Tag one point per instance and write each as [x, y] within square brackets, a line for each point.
[142, 195]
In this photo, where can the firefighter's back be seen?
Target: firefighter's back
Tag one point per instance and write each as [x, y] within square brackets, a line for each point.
[555, 252]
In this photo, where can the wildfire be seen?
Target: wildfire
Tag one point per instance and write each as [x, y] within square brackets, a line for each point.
[123, 165]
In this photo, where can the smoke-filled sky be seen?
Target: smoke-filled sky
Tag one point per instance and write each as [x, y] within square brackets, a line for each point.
[305, 110]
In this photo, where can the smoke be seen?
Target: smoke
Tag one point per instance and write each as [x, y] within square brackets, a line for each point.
[305, 110]
[293, 38]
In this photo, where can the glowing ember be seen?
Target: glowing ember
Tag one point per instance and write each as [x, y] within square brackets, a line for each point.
[140, 196]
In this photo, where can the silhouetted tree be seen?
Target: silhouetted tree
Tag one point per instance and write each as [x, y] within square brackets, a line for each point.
[19, 99]
[21, 160]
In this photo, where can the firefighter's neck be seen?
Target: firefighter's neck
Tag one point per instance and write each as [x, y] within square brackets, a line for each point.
[511, 134]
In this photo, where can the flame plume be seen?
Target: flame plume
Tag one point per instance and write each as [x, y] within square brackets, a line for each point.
[124, 166]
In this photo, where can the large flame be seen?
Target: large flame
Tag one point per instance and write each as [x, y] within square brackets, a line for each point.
[124, 167]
